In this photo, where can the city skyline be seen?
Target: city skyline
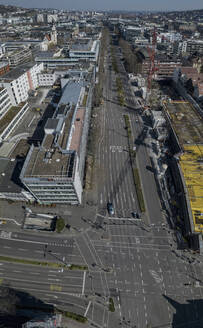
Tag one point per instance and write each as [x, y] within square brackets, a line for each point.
[107, 5]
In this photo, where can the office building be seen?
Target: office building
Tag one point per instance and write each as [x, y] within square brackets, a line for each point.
[53, 172]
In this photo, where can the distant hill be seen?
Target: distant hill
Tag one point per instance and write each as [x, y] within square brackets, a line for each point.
[6, 9]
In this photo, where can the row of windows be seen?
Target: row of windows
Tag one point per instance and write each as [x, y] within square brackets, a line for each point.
[53, 190]
[5, 104]
[9, 128]
[5, 109]
[63, 201]
[67, 192]
[46, 186]
[55, 199]
[3, 98]
[3, 92]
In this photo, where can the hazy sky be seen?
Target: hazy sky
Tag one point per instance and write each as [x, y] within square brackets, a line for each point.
[108, 4]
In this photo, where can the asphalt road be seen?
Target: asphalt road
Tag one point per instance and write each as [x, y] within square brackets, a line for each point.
[136, 262]
[115, 180]
[32, 246]
[151, 281]
[66, 289]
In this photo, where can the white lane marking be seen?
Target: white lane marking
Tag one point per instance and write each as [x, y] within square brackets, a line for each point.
[8, 219]
[6, 247]
[27, 241]
[87, 309]
[156, 276]
[34, 272]
[83, 284]
[31, 121]
[49, 295]
[22, 249]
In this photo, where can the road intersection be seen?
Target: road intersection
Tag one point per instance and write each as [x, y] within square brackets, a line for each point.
[133, 261]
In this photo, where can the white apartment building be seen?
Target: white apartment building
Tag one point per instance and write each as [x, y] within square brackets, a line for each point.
[169, 37]
[46, 79]
[52, 18]
[5, 102]
[19, 81]
[191, 46]
[40, 18]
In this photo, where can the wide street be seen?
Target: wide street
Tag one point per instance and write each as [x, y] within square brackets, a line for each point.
[115, 178]
[134, 261]
[152, 281]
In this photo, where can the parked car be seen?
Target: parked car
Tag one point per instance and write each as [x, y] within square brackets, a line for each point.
[110, 208]
[135, 215]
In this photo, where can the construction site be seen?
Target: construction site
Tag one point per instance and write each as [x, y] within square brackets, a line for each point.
[184, 130]
[186, 135]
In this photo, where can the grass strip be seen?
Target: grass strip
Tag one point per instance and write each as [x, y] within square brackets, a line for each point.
[136, 175]
[138, 189]
[114, 64]
[31, 262]
[41, 263]
[75, 316]
[111, 305]
[60, 224]
[78, 267]
[72, 315]
[120, 91]
[129, 132]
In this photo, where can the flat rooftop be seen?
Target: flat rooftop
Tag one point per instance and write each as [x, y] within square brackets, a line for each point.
[186, 123]
[191, 163]
[82, 45]
[78, 124]
[71, 91]
[16, 72]
[49, 162]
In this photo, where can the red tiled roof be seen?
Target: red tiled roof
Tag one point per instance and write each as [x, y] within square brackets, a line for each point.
[48, 37]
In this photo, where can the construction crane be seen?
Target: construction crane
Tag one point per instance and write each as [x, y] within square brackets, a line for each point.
[152, 67]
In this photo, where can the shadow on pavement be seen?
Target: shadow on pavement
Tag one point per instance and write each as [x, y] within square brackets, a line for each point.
[188, 315]
[17, 307]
